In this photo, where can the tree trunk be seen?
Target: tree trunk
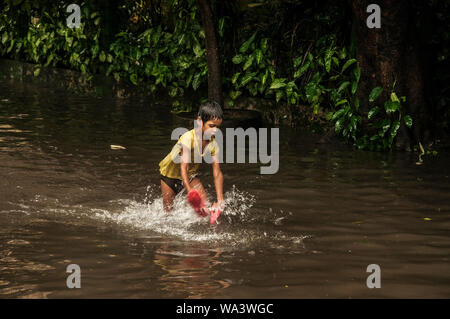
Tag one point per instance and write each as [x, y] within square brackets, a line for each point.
[110, 23]
[387, 55]
[212, 53]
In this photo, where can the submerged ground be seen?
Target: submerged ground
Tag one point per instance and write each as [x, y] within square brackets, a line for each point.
[310, 230]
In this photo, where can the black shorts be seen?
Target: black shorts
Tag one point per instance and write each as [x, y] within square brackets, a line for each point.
[174, 183]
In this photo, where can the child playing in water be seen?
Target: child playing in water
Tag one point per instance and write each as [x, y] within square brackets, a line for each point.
[175, 176]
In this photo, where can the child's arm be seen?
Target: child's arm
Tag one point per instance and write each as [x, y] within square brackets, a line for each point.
[184, 166]
[218, 180]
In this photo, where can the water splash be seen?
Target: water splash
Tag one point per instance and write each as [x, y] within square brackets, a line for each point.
[242, 224]
[182, 221]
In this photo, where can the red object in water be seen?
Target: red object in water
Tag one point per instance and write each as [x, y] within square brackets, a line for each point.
[197, 203]
[195, 199]
[215, 213]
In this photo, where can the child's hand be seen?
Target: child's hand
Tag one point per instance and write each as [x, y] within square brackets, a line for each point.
[220, 205]
[216, 210]
[197, 203]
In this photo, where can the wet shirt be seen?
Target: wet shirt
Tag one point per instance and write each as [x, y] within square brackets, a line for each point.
[170, 168]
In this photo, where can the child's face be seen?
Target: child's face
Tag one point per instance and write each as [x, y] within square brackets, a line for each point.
[211, 126]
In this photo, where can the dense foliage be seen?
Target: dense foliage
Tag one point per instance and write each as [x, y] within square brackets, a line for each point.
[291, 52]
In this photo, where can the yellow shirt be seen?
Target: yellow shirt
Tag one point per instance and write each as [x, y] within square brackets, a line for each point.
[168, 168]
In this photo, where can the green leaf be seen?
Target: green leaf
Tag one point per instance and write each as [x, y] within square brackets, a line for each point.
[338, 114]
[302, 70]
[315, 108]
[354, 87]
[247, 78]
[4, 37]
[391, 107]
[253, 90]
[173, 91]
[372, 112]
[375, 93]
[316, 78]
[278, 83]
[311, 91]
[235, 77]
[343, 86]
[292, 100]
[338, 125]
[341, 102]
[408, 121]
[183, 64]
[279, 95]
[137, 55]
[189, 79]
[353, 123]
[347, 64]
[102, 56]
[49, 60]
[69, 41]
[345, 131]
[264, 78]
[394, 128]
[221, 25]
[264, 44]
[247, 43]
[248, 63]
[394, 97]
[10, 46]
[196, 81]
[356, 73]
[385, 125]
[237, 59]
[342, 54]
[329, 116]
[297, 61]
[37, 71]
[336, 61]
[334, 77]
[259, 56]
[198, 50]
[422, 151]
[133, 78]
[235, 94]
[110, 68]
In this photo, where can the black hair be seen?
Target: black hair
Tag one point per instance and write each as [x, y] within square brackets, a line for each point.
[210, 111]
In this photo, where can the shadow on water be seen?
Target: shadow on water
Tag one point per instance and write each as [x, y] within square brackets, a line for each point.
[310, 230]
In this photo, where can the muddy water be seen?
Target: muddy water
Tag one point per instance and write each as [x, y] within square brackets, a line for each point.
[309, 231]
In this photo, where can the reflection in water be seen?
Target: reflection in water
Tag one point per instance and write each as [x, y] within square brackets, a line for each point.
[190, 272]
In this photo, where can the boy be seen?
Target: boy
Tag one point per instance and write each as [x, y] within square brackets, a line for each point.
[191, 147]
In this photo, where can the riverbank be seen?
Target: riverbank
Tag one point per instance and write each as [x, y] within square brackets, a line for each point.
[301, 117]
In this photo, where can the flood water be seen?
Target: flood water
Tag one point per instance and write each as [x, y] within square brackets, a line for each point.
[309, 231]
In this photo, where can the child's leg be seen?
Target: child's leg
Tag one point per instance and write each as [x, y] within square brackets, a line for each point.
[197, 184]
[168, 196]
